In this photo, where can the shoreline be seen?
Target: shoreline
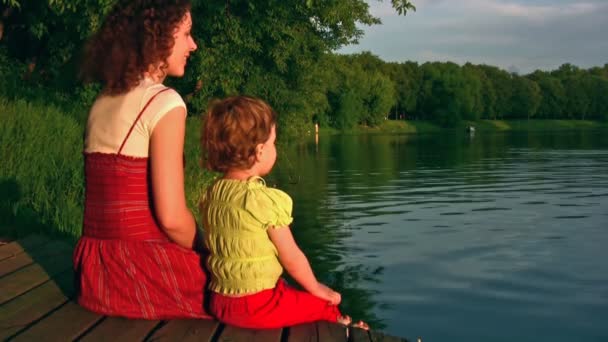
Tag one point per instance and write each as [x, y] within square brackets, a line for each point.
[422, 127]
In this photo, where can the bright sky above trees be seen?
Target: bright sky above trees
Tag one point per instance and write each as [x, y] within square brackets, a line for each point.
[515, 35]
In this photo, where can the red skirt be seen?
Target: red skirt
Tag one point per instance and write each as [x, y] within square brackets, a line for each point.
[279, 307]
[139, 279]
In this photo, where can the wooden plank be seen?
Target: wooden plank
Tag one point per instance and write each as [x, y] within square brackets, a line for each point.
[303, 333]
[19, 313]
[331, 331]
[31, 276]
[186, 330]
[28, 257]
[67, 323]
[380, 337]
[14, 263]
[358, 335]
[120, 329]
[233, 334]
[13, 248]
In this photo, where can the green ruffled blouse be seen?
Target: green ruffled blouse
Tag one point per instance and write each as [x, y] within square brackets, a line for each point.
[235, 216]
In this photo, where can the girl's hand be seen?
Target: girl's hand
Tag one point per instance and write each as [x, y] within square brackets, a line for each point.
[296, 264]
[324, 292]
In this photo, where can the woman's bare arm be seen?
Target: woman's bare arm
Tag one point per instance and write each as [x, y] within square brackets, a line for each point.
[167, 174]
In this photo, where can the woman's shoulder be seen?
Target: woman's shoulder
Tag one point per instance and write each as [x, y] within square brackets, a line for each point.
[136, 98]
[160, 93]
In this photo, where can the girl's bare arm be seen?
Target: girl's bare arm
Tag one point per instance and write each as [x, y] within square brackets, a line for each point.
[297, 265]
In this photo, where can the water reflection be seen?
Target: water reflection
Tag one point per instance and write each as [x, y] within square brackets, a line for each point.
[494, 237]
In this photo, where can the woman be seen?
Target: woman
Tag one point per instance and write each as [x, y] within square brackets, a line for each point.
[135, 258]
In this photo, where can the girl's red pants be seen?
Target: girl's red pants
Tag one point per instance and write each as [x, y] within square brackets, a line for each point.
[279, 307]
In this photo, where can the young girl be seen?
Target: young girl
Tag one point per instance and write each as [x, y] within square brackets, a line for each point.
[247, 227]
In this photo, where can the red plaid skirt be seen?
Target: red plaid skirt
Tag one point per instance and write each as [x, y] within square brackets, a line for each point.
[124, 264]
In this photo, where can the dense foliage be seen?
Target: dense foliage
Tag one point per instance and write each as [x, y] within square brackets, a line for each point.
[284, 52]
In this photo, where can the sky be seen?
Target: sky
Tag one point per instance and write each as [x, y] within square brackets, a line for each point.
[516, 35]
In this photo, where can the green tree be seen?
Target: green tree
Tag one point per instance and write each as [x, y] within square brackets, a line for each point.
[488, 96]
[47, 35]
[501, 94]
[407, 78]
[347, 105]
[263, 48]
[578, 90]
[448, 94]
[525, 98]
[553, 95]
[471, 93]
[379, 100]
[598, 108]
[600, 71]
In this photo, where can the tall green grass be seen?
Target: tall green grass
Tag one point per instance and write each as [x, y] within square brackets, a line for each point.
[41, 170]
[196, 178]
[41, 175]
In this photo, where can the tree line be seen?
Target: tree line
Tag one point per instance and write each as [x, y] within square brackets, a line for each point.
[284, 51]
[446, 93]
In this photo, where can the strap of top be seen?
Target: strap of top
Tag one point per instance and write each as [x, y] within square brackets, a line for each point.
[137, 119]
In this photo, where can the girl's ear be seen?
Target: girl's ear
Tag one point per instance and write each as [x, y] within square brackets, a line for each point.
[259, 151]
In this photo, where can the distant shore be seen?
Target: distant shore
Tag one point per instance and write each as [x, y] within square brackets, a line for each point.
[412, 127]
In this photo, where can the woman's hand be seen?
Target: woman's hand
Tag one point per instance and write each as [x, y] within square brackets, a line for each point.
[324, 292]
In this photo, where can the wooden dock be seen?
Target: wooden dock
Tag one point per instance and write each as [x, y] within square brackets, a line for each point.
[36, 291]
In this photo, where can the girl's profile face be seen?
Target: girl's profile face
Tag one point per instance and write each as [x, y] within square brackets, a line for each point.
[269, 153]
[184, 44]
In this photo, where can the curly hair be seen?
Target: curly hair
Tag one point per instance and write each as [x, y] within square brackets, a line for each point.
[232, 128]
[134, 35]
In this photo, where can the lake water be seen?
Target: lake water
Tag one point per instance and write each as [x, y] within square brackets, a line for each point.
[451, 237]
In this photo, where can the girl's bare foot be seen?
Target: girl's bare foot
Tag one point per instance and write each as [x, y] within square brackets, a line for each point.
[345, 320]
[360, 325]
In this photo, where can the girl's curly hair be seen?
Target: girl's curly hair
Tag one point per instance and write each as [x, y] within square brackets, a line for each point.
[232, 128]
[135, 35]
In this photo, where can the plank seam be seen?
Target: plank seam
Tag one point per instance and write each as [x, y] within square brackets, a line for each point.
[34, 257]
[218, 332]
[155, 329]
[28, 291]
[49, 277]
[285, 334]
[89, 329]
[15, 270]
[95, 323]
[34, 322]
[36, 244]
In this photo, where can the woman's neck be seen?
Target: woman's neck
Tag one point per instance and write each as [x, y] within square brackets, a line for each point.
[154, 75]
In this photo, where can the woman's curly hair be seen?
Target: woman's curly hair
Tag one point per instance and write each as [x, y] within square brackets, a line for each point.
[135, 35]
[232, 128]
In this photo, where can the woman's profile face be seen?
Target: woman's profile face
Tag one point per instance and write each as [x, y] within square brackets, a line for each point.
[184, 44]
